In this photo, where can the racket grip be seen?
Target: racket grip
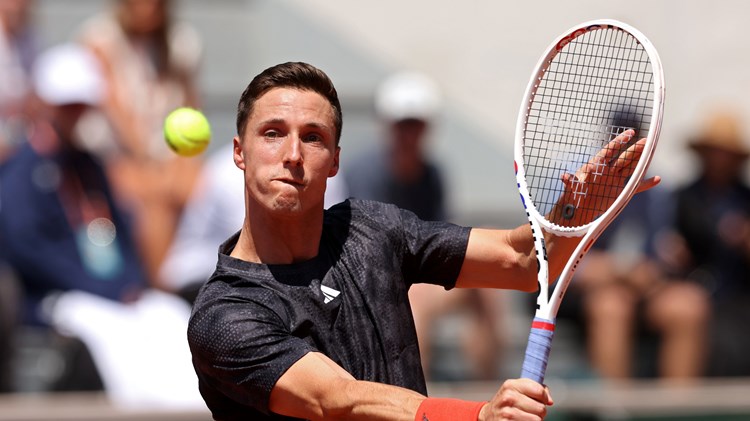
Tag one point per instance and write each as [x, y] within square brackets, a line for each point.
[537, 349]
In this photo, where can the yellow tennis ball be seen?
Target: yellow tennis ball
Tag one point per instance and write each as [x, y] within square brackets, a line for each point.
[187, 131]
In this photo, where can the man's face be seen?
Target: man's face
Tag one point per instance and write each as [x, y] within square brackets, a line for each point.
[288, 151]
[408, 137]
[66, 118]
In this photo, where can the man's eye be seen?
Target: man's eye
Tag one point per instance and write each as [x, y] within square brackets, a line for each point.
[271, 134]
[313, 138]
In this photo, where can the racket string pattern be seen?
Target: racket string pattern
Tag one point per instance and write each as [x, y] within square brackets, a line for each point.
[598, 85]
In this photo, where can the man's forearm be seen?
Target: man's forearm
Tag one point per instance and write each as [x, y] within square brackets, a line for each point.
[317, 388]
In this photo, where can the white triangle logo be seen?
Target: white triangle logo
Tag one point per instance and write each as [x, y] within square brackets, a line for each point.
[329, 294]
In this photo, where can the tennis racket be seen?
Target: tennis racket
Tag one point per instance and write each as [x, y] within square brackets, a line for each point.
[587, 129]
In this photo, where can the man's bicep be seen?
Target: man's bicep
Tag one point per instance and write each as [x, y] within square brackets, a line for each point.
[302, 391]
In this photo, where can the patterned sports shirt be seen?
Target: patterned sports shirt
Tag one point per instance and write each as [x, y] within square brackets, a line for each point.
[252, 321]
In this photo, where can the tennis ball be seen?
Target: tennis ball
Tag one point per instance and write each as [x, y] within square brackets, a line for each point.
[187, 131]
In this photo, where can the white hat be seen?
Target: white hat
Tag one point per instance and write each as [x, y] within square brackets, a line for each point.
[68, 74]
[407, 95]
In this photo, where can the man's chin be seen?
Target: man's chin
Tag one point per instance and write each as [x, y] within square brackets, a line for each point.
[287, 205]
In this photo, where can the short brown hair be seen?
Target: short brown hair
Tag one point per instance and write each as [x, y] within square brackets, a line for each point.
[297, 75]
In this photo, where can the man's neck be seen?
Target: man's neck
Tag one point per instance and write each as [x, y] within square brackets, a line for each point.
[279, 240]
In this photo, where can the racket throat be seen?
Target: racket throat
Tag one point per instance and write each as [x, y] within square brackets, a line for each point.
[546, 292]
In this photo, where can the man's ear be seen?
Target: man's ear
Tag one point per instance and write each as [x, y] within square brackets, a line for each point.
[335, 168]
[237, 155]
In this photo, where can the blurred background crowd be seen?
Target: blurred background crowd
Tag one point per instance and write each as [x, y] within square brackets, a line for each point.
[105, 235]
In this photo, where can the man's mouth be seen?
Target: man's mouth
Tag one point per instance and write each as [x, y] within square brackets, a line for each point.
[291, 181]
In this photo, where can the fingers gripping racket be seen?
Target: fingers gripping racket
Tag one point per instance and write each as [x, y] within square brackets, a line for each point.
[586, 132]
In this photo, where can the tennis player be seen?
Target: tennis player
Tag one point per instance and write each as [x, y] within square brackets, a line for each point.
[307, 314]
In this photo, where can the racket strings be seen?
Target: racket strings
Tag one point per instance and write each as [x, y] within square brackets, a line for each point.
[597, 86]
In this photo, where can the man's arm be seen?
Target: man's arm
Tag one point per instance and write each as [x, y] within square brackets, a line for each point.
[506, 259]
[316, 388]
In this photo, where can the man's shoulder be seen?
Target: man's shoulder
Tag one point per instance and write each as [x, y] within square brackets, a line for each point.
[227, 284]
[363, 205]
[358, 211]
[226, 299]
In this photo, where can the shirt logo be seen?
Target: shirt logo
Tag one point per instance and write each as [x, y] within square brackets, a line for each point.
[329, 294]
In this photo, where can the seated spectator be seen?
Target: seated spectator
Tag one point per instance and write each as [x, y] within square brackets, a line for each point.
[70, 244]
[150, 61]
[710, 243]
[60, 227]
[622, 297]
[401, 172]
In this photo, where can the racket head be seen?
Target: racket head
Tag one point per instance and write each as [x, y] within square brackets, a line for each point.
[593, 81]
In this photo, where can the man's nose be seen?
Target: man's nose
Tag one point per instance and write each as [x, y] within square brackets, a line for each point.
[293, 150]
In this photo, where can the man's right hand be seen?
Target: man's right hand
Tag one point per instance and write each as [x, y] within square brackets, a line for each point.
[518, 400]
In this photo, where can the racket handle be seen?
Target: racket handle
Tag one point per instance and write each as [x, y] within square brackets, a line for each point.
[537, 349]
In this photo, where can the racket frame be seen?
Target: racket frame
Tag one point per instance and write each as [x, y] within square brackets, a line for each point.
[548, 302]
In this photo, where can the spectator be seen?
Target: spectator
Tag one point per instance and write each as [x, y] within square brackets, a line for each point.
[401, 173]
[60, 227]
[711, 242]
[56, 197]
[18, 48]
[622, 297]
[70, 243]
[150, 63]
